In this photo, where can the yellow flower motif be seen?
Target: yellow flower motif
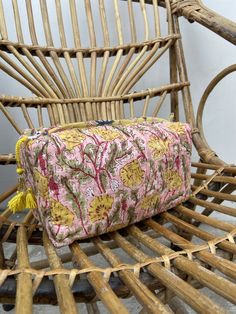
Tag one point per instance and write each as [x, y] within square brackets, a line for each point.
[158, 146]
[107, 135]
[132, 174]
[71, 138]
[60, 214]
[172, 179]
[99, 207]
[177, 127]
[150, 201]
[41, 184]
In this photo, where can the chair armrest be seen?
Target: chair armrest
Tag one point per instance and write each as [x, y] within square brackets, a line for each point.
[196, 11]
[207, 92]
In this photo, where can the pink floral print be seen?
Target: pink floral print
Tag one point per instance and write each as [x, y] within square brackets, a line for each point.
[96, 177]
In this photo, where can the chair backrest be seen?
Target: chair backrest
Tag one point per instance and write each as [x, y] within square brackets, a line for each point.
[86, 59]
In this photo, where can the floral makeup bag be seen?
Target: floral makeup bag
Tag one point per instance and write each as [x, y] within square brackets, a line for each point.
[86, 179]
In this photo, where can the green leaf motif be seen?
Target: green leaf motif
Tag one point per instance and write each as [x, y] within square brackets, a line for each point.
[123, 195]
[103, 179]
[116, 154]
[116, 215]
[83, 178]
[134, 194]
[69, 197]
[71, 163]
[131, 211]
[90, 150]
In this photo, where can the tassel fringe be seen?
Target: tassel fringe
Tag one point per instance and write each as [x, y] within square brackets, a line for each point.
[30, 200]
[17, 203]
[22, 140]
[22, 200]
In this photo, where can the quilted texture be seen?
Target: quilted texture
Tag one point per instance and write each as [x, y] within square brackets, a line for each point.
[96, 177]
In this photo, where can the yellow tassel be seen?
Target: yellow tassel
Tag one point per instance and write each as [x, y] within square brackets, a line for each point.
[18, 145]
[23, 199]
[30, 200]
[18, 202]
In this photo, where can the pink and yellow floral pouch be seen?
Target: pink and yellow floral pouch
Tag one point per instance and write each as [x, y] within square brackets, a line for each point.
[95, 177]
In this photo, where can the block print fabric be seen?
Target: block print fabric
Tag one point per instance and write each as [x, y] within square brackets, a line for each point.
[96, 177]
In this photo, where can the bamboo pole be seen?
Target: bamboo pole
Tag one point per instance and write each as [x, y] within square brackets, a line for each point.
[101, 287]
[190, 295]
[8, 193]
[64, 294]
[24, 297]
[149, 301]
[17, 22]
[3, 26]
[224, 266]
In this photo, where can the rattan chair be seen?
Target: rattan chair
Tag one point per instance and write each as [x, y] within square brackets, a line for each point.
[161, 260]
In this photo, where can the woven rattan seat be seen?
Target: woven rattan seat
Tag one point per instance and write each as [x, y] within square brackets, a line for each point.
[83, 60]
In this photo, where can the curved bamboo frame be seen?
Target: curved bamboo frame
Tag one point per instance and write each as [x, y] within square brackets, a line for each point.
[225, 72]
[164, 258]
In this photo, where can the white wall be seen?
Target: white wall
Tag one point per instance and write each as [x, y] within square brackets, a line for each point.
[206, 54]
